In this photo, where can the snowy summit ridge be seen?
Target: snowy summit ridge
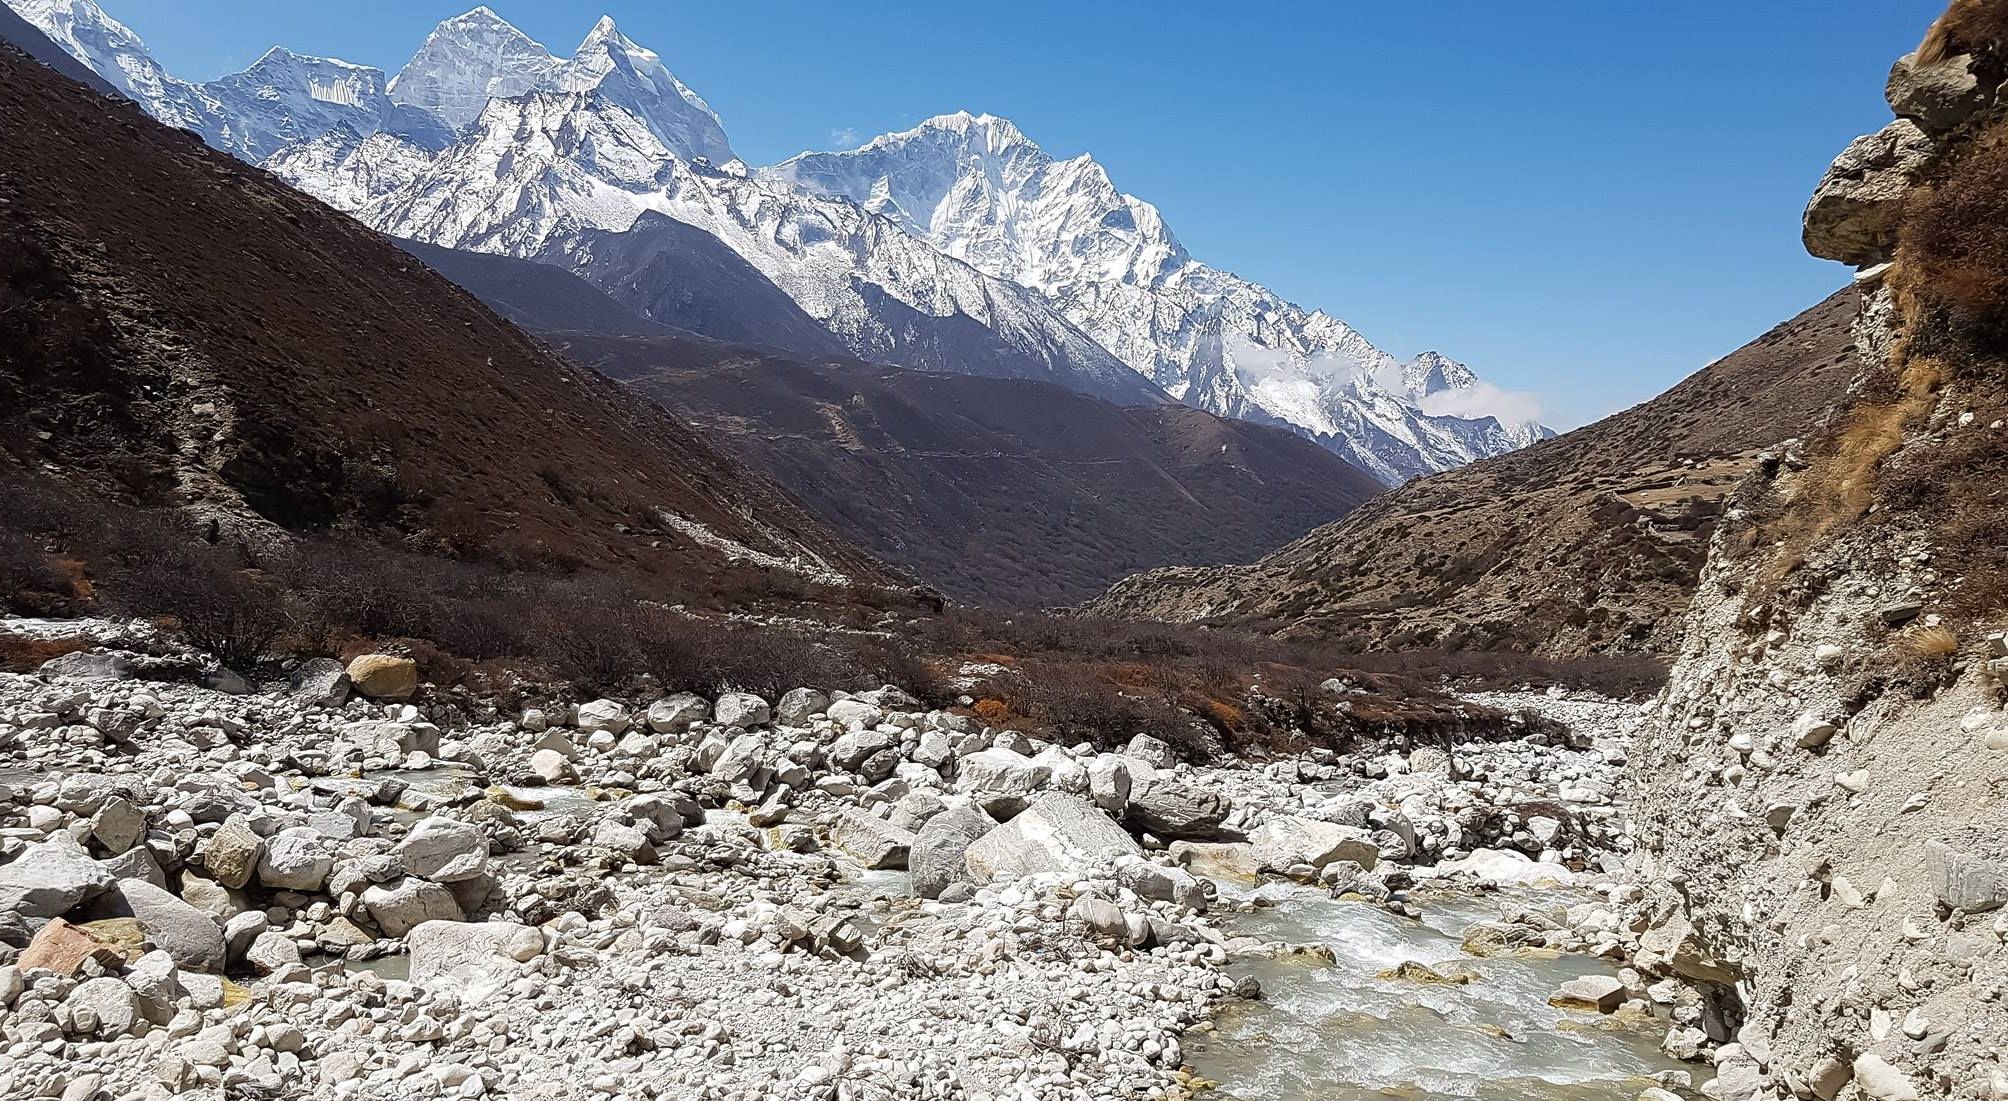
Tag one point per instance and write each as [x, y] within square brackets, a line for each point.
[956, 245]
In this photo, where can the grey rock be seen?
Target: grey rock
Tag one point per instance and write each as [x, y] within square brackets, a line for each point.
[1285, 841]
[89, 666]
[741, 710]
[296, 859]
[1170, 809]
[610, 716]
[851, 749]
[51, 877]
[1603, 993]
[675, 714]
[400, 906]
[1937, 97]
[940, 847]
[319, 682]
[1056, 833]
[444, 850]
[185, 933]
[104, 1007]
[1965, 880]
[875, 842]
[1855, 209]
[797, 704]
[476, 961]
[118, 825]
[1155, 752]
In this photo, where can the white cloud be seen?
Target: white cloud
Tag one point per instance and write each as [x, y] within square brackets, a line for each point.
[1482, 399]
[844, 137]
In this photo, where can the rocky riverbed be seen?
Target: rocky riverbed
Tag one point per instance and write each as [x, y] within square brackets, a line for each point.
[354, 885]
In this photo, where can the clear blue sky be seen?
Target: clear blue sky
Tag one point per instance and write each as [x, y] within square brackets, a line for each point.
[1588, 199]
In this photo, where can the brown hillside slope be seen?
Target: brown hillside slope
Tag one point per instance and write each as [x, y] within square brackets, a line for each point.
[1586, 543]
[177, 328]
[1008, 492]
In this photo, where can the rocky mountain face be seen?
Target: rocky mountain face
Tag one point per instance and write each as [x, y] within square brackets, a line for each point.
[1006, 492]
[957, 246]
[202, 337]
[1589, 543]
[981, 191]
[1821, 818]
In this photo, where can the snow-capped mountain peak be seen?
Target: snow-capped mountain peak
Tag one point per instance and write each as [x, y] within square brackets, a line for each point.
[634, 77]
[468, 60]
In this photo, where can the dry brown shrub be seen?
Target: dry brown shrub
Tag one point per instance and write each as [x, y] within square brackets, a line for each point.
[1935, 643]
[1968, 26]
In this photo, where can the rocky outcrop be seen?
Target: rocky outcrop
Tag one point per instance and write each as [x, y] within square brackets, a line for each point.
[1819, 817]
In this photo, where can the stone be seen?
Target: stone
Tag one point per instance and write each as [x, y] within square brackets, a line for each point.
[1056, 833]
[741, 710]
[401, 906]
[855, 714]
[476, 961]
[1171, 809]
[296, 859]
[999, 779]
[1877, 1079]
[232, 853]
[876, 842]
[1603, 993]
[272, 951]
[675, 714]
[1155, 752]
[1283, 842]
[1161, 884]
[938, 855]
[118, 825]
[444, 850]
[62, 948]
[384, 676]
[102, 1007]
[610, 716]
[319, 682]
[741, 758]
[1217, 859]
[1965, 880]
[1939, 96]
[1505, 868]
[1855, 210]
[88, 666]
[851, 749]
[797, 704]
[185, 933]
[1109, 782]
[551, 766]
[50, 878]
[391, 741]
[1102, 917]
[1428, 761]
[1810, 731]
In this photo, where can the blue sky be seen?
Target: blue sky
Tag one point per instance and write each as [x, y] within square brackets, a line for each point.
[1589, 199]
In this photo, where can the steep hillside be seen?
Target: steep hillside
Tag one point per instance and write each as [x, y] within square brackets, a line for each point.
[1001, 491]
[189, 331]
[1820, 810]
[1586, 543]
[536, 296]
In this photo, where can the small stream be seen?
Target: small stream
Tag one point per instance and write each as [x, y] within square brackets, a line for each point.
[1340, 1032]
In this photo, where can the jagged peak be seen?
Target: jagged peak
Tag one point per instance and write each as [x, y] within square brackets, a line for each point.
[280, 55]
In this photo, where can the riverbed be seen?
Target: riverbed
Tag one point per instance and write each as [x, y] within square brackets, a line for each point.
[1341, 1031]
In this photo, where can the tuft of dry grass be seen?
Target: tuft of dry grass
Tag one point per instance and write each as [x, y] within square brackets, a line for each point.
[1968, 26]
[1935, 643]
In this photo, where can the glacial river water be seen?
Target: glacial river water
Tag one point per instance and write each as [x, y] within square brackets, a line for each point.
[1338, 1032]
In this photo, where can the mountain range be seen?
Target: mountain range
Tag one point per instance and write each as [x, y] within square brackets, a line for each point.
[957, 246]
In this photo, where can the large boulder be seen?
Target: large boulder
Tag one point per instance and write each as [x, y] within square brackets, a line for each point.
[185, 933]
[797, 704]
[1155, 752]
[444, 850]
[1056, 833]
[103, 1007]
[675, 714]
[403, 905]
[1171, 809]
[476, 961]
[941, 847]
[1000, 780]
[49, 878]
[876, 842]
[1938, 96]
[1506, 868]
[1284, 842]
[1855, 210]
[319, 682]
[296, 859]
[855, 714]
[232, 853]
[384, 676]
[852, 749]
[610, 716]
[88, 666]
[742, 710]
